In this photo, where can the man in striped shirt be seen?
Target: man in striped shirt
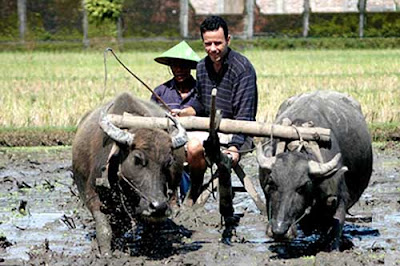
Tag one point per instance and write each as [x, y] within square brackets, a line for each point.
[234, 77]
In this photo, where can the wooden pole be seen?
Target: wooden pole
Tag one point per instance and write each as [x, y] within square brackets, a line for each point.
[253, 128]
[249, 22]
[362, 6]
[22, 19]
[85, 25]
[120, 38]
[306, 18]
[184, 18]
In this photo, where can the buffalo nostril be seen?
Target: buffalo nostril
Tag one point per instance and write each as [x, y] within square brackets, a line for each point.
[155, 206]
[279, 230]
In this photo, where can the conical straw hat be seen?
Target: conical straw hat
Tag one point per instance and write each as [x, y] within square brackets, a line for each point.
[180, 54]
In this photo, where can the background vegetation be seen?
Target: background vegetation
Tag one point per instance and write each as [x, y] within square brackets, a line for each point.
[51, 89]
[62, 20]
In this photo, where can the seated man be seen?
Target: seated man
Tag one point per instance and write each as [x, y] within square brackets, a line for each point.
[180, 93]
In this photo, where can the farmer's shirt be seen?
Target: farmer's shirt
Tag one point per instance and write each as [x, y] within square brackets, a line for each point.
[237, 89]
[169, 93]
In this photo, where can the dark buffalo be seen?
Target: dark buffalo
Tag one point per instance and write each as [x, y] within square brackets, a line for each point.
[126, 174]
[299, 187]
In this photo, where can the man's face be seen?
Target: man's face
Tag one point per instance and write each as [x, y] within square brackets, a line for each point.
[216, 45]
[181, 73]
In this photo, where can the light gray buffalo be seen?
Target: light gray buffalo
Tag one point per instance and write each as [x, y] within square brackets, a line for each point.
[314, 186]
[130, 174]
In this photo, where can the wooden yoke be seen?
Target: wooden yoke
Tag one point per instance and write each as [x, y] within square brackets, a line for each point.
[229, 126]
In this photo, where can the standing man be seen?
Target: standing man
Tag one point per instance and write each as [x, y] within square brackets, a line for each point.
[234, 77]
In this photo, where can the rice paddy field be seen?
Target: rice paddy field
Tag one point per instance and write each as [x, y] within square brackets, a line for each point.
[45, 89]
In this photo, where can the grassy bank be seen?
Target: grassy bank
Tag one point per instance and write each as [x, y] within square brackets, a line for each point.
[42, 89]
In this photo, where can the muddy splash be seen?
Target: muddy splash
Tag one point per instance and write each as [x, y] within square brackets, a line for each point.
[43, 221]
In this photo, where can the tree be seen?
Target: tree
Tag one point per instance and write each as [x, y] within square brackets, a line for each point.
[100, 10]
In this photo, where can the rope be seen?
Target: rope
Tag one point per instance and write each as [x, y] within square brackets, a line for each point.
[123, 202]
[144, 84]
[134, 187]
[105, 75]
[301, 143]
[306, 212]
[247, 150]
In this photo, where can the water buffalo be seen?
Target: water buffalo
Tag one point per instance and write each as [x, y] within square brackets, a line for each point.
[314, 186]
[126, 174]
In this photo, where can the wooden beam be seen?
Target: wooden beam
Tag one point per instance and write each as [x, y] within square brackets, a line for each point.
[229, 126]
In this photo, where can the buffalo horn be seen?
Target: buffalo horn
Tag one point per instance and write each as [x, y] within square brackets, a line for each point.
[181, 137]
[264, 161]
[323, 169]
[112, 131]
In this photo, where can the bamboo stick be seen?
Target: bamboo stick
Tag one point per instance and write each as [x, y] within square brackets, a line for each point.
[229, 126]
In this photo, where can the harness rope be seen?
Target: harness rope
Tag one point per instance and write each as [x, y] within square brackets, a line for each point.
[306, 212]
[133, 186]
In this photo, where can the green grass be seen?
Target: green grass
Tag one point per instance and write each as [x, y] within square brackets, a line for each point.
[55, 89]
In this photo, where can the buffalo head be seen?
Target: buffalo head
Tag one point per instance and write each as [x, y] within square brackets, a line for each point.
[145, 165]
[288, 180]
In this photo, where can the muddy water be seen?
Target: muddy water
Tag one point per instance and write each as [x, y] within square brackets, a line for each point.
[43, 221]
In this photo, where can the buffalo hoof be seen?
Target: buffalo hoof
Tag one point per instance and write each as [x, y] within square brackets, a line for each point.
[188, 202]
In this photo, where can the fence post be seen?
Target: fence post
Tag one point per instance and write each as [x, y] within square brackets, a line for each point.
[362, 6]
[85, 26]
[184, 18]
[120, 29]
[22, 19]
[306, 17]
[249, 28]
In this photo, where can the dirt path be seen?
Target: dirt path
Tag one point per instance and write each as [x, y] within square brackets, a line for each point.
[42, 221]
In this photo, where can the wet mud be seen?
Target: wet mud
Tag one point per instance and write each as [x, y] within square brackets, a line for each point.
[42, 221]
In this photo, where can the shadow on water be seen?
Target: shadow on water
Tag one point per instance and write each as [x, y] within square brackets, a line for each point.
[158, 241]
[311, 245]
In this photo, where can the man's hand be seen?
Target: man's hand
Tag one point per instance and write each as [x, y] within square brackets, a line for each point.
[234, 153]
[188, 111]
[176, 112]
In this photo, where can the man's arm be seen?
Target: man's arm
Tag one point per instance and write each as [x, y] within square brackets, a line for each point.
[244, 102]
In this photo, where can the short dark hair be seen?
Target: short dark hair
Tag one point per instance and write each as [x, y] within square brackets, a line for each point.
[214, 23]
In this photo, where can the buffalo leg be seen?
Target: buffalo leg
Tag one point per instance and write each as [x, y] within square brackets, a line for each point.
[103, 232]
[335, 231]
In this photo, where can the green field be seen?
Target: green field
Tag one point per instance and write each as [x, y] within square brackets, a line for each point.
[55, 89]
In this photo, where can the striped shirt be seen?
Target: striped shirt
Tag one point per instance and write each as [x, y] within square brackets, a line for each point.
[237, 89]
